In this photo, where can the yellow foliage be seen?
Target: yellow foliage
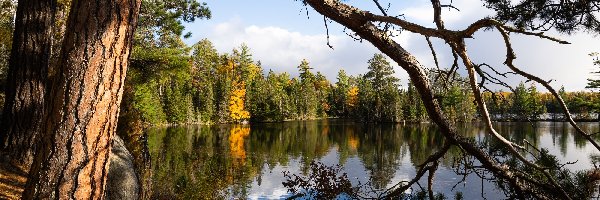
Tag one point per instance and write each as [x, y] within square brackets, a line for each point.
[353, 142]
[236, 142]
[352, 100]
[227, 67]
[325, 106]
[237, 110]
[253, 71]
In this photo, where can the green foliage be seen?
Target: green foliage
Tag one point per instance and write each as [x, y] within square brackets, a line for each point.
[338, 96]
[146, 100]
[7, 25]
[594, 83]
[205, 60]
[564, 16]
[197, 84]
[306, 92]
[412, 106]
[378, 92]
[160, 22]
[455, 96]
[160, 78]
[526, 103]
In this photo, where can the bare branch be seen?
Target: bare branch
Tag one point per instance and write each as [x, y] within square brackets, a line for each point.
[510, 56]
[490, 23]
[423, 167]
[327, 30]
[450, 6]
[437, 14]
[461, 49]
[383, 11]
[433, 53]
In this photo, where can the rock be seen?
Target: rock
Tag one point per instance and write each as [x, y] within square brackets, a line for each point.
[122, 180]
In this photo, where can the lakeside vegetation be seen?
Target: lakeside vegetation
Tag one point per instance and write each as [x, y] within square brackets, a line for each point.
[170, 82]
[65, 97]
[197, 84]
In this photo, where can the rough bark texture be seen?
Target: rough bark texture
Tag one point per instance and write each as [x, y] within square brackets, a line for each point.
[27, 77]
[82, 110]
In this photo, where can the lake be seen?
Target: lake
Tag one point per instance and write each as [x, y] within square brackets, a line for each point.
[248, 161]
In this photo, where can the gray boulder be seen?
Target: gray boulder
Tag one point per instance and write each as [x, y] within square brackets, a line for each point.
[122, 180]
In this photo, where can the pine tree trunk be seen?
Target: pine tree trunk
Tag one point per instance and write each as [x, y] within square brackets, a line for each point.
[83, 105]
[27, 77]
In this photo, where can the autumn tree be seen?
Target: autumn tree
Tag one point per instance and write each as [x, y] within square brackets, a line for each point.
[525, 177]
[81, 116]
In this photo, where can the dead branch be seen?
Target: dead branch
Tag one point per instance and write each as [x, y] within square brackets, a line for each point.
[510, 57]
[460, 47]
[362, 24]
[423, 167]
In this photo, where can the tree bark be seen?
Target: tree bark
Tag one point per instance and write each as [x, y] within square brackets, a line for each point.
[82, 107]
[27, 78]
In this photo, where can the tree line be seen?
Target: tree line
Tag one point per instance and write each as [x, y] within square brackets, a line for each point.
[198, 84]
[172, 83]
[63, 88]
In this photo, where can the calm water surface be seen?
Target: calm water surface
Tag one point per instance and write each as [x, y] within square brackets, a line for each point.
[248, 161]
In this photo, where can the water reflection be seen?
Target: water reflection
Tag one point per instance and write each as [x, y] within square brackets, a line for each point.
[235, 161]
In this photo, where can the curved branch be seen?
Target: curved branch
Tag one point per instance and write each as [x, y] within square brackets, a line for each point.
[511, 146]
[361, 23]
[490, 23]
[423, 167]
[510, 57]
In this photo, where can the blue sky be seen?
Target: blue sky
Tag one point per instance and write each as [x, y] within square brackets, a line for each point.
[280, 35]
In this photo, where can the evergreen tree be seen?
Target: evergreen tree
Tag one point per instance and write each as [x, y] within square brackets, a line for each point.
[306, 94]
[339, 95]
[205, 60]
[594, 83]
[385, 89]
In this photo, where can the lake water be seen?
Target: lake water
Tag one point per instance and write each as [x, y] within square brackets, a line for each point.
[248, 161]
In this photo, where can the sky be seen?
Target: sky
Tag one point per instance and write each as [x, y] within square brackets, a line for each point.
[280, 33]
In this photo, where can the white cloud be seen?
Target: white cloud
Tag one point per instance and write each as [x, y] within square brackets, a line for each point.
[469, 10]
[282, 50]
[568, 65]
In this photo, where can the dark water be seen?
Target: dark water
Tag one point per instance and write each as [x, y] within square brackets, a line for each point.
[248, 161]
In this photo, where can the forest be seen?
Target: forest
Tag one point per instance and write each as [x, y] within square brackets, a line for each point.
[205, 86]
[169, 82]
[74, 80]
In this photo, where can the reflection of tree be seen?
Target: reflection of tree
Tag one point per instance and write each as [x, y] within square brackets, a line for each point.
[344, 135]
[381, 150]
[237, 134]
[221, 161]
[195, 162]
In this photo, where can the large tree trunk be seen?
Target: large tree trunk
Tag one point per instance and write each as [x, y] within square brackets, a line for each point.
[27, 77]
[83, 105]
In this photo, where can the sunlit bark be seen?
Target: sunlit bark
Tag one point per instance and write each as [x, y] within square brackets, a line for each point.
[81, 117]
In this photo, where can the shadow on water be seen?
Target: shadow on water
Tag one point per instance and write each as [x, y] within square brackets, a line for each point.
[249, 161]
